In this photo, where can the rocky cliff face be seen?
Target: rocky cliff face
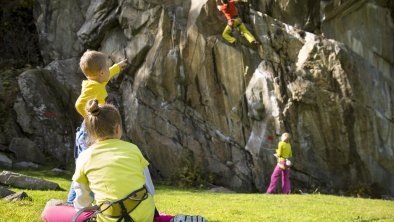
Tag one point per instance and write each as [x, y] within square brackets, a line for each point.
[366, 27]
[189, 100]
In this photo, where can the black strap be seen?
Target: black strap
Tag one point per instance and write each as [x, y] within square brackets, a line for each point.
[125, 215]
[91, 208]
[157, 214]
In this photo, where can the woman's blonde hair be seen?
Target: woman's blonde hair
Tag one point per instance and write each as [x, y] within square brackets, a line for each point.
[101, 120]
[285, 137]
[92, 62]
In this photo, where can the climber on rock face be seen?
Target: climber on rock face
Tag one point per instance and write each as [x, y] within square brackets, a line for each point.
[233, 22]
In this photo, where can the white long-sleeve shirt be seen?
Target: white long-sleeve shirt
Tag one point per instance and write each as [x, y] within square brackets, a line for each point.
[83, 198]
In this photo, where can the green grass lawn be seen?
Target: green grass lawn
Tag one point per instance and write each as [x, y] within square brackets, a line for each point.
[223, 207]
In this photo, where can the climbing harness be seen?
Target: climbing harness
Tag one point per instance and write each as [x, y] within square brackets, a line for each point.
[232, 21]
[119, 209]
[283, 163]
[92, 218]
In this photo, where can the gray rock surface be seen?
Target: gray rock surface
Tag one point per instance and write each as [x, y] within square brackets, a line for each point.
[46, 110]
[366, 27]
[26, 182]
[25, 165]
[57, 24]
[5, 161]
[3, 148]
[220, 190]
[188, 99]
[5, 192]
[26, 150]
[304, 14]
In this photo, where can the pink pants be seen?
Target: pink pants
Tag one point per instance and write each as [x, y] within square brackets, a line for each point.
[163, 218]
[66, 213]
[63, 214]
[275, 179]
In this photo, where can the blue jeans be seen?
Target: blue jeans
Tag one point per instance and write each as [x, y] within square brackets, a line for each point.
[71, 194]
[81, 141]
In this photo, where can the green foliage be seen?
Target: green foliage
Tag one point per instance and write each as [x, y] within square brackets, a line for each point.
[222, 207]
[191, 176]
[365, 190]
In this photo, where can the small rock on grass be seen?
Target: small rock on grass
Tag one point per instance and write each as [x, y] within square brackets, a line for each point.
[18, 197]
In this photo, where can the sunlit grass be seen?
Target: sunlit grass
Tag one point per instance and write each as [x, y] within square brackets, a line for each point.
[262, 207]
[31, 210]
[222, 207]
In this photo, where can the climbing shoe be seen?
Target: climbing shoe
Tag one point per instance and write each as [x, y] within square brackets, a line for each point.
[187, 218]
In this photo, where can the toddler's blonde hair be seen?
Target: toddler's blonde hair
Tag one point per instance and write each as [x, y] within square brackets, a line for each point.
[92, 62]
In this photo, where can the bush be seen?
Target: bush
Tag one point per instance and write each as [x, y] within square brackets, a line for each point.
[365, 190]
[191, 176]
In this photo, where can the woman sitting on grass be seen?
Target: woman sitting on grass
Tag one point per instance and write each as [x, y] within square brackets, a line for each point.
[112, 169]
